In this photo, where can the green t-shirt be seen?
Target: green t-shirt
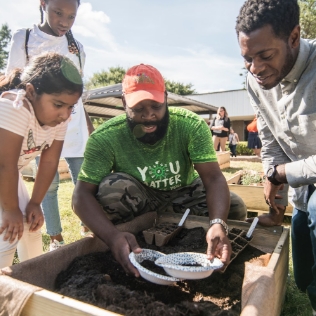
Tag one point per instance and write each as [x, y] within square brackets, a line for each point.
[166, 165]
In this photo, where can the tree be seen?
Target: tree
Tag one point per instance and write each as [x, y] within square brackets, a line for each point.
[116, 74]
[308, 18]
[106, 78]
[178, 87]
[5, 37]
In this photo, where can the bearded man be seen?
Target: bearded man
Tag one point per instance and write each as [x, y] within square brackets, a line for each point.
[152, 158]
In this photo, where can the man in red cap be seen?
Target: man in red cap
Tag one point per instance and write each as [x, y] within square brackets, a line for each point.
[153, 158]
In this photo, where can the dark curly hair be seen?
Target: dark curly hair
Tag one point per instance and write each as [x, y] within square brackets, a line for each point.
[49, 73]
[282, 15]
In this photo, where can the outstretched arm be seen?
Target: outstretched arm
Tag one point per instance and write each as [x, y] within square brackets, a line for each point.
[46, 171]
[218, 203]
[86, 206]
[12, 218]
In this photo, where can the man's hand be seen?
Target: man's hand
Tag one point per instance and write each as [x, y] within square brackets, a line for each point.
[218, 244]
[272, 219]
[121, 245]
[34, 216]
[12, 225]
[270, 194]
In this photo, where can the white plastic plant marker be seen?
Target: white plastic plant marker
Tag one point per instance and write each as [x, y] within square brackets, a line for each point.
[184, 217]
[252, 227]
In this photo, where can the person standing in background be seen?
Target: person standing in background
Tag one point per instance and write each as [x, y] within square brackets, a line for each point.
[233, 141]
[220, 128]
[254, 141]
[54, 34]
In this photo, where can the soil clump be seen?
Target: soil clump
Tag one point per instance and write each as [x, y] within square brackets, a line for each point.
[99, 280]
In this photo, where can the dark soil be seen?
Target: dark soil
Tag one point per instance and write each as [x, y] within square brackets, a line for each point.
[99, 280]
[150, 265]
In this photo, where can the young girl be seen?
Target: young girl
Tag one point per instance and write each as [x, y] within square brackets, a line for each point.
[54, 34]
[233, 141]
[33, 121]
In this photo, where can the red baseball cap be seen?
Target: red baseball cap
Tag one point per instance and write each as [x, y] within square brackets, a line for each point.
[143, 82]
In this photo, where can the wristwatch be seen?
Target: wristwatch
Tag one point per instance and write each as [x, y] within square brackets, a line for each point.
[271, 175]
[219, 221]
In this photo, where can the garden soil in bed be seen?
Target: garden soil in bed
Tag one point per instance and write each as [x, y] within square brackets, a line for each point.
[99, 280]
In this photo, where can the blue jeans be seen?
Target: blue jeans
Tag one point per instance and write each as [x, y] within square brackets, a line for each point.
[304, 247]
[50, 201]
[232, 150]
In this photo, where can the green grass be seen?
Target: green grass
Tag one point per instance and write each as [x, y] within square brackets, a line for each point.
[295, 304]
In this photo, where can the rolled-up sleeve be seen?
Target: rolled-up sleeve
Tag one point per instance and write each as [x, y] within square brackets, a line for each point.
[301, 172]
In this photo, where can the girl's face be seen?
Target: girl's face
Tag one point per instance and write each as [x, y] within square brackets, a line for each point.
[221, 112]
[60, 16]
[51, 109]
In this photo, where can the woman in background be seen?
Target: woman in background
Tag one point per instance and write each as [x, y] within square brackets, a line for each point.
[220, 128]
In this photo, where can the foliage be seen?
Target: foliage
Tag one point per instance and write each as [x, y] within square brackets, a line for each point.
[244, 74]
[307, 18]
[250, 177]
[104, 78]
[242, 149]
[116, 74]
[97, 121]
[179, 88]
[5, 37]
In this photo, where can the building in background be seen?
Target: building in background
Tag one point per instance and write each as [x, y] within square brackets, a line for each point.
[237, 104]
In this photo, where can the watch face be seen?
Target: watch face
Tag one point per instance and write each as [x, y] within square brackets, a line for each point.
[270, 172]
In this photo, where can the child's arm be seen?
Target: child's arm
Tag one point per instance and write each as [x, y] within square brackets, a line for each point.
[17, 55]
[12, 218]
[46, 171]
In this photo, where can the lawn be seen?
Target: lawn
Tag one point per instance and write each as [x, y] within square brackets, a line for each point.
[296, 303]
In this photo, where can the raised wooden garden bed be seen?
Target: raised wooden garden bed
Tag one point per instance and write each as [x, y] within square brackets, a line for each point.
[263, 288]
[252, 195]
[223, 158]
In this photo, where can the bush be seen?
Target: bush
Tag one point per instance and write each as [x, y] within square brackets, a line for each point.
[250, 177]
[242, 149]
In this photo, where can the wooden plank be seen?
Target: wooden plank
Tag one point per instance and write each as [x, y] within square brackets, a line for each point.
[51, 304]
[279, 262]
[260, 212]
[225, 165]
[223, 158]
[253, 197]
[235, 178]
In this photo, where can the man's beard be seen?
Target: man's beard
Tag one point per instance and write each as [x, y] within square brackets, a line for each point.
[149, 138]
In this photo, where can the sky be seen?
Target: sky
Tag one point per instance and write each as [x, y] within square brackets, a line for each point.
[189, 41]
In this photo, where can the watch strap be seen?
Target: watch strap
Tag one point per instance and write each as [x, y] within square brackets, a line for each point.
[272, 178]
[220, 221]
